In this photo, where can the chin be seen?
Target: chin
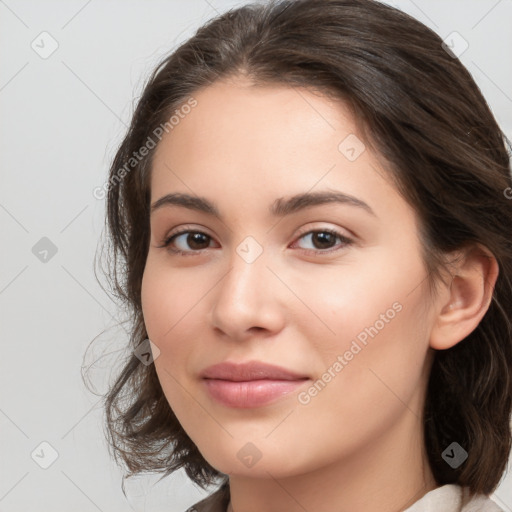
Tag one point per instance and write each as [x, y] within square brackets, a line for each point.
[245, 459]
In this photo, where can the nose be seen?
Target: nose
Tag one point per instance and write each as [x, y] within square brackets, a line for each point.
[248, 300]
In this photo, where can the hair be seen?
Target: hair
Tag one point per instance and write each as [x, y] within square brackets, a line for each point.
[421, 111]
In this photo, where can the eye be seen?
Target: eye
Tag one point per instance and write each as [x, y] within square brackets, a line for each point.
[322, 240]
[187, 242]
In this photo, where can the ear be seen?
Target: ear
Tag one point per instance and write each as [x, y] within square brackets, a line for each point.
[463, 302]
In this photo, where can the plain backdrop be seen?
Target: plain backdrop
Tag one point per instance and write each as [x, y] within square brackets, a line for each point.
[70, 74]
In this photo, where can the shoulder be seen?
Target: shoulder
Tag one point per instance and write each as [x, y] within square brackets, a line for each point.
[216, 502]
[454, 498]
[478, 503]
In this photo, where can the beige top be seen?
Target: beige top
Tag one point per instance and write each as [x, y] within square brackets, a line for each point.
[447, 498]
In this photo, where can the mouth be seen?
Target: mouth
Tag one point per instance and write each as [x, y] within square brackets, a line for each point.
[251, 384]
[253, 393]
[252, 370]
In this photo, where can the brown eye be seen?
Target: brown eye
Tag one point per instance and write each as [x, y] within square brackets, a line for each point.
[188, 241]
[324, 239]
[197, 240]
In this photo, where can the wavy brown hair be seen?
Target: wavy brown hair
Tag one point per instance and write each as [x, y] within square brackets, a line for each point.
[420, 109]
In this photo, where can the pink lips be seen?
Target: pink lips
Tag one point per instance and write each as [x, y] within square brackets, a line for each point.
[250, 384]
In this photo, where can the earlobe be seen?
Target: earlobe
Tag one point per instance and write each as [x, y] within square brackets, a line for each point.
[466, 299]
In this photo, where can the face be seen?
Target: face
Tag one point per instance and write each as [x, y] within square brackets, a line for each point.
[331, 287]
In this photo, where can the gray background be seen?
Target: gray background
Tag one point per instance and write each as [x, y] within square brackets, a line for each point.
[62, 117]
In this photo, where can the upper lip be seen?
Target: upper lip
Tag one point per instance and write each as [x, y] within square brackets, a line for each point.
[252, 370]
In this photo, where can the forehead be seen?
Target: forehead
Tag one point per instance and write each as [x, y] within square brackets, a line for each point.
[239, 112]
[234, 124]
[255, 143]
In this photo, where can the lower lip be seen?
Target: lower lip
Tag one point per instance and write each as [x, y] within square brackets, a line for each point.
[253, 393]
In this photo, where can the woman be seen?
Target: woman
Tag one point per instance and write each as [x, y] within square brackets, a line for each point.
[310, 213]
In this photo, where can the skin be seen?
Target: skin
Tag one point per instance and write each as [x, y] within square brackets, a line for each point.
[357, 444]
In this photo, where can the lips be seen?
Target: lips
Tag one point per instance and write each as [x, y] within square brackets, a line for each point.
[251, 384]
[253, 370]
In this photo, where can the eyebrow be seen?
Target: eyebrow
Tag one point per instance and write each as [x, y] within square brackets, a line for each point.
[280, 208]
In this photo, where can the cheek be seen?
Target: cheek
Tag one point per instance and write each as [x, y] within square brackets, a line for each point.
[377, 322]
[360, 300]
[174, 310]
[169, 300]
[364, 388]
[376, 378]
[376, 363]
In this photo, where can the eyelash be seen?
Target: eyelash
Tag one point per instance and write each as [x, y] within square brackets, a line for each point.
[345, 242]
